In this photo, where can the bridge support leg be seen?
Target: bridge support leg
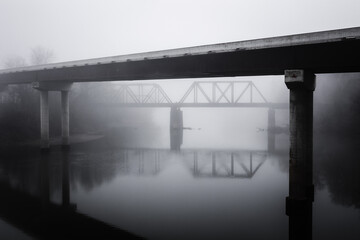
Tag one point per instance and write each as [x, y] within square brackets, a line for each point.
[65, 119]
[301, 190]
[44, 88]
[196, 168]
[44, 119]
[213, 164]
[271, 130]
[176, 128]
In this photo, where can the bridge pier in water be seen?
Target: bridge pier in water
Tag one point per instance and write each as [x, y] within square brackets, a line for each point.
[65, 119]
[44, 119]
[176, 128]
[301, 189]
[271, 130]
[44, 88]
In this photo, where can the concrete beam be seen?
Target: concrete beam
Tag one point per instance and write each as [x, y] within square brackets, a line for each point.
[44, 119]
[321, 52]
[52, 86]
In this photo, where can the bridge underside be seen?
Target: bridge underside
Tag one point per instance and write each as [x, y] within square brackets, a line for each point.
[328, 57]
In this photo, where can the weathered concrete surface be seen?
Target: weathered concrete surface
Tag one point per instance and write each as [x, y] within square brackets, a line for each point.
[271, 132]
[301, 85]
[52, 86]
[319, 52]
[301, 190]
[44, 119]
[65, 118]
[176, 128]
[44, 88]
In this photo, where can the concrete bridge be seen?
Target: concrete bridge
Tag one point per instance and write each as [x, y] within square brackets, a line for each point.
[309, 54]
[297, 57]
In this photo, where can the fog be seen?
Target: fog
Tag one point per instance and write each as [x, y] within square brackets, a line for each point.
[227, 176]
[85, 29]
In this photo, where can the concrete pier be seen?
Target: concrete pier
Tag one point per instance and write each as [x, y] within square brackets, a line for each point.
[44, 88]
[65, 118]
[196, 167]
[301, 191]
[176, 128]
[232, 164]
[271, 130]
[213, 156]
[44, 119]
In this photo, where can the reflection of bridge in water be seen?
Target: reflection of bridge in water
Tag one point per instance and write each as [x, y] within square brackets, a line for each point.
[228, 164]
[39, 217]
[200, 163]
[200, 94]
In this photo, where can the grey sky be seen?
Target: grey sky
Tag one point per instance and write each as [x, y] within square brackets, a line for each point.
[80, 29]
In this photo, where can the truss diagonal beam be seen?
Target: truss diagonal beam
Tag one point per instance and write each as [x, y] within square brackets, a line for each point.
[222, 93]
[199, 94]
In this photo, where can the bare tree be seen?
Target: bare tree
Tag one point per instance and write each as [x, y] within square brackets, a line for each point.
[41, 55]
[14, 61]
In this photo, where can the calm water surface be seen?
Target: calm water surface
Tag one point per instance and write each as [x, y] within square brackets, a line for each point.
[192, 194]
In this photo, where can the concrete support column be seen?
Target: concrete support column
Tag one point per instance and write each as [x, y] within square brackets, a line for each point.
[213, 156]
[65, 118]
[44, 119]
[176, 128]
[196, 168]
[301, 190]
[271, 130]
[232, 164]
[44, 88]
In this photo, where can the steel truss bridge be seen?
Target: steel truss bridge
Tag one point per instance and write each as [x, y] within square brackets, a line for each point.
[199, 94]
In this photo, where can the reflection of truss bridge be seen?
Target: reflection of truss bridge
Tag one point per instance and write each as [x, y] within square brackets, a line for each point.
[214, 164]
[199, 94]
[226, 164]
[142, 161]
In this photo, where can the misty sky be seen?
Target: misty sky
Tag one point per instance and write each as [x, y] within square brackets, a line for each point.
[80, 29]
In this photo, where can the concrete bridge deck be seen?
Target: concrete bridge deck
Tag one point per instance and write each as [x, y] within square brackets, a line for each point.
[320, 52]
